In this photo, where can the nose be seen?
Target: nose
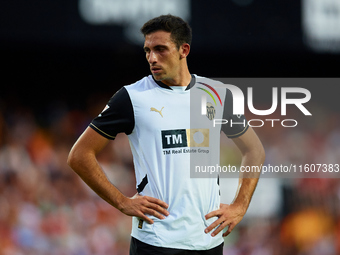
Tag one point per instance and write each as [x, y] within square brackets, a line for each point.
[152, 59]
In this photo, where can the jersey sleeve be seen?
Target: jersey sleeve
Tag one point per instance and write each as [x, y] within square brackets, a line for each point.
[117, 116]
[237, 125]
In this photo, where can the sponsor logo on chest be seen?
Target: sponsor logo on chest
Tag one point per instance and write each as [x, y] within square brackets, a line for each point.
[197, 137]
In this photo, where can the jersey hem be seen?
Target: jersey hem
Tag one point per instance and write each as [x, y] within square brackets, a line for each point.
[177, 247]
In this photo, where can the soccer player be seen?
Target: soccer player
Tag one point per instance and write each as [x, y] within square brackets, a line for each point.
[172, 213]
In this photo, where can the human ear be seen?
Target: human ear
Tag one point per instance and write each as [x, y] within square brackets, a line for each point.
[184, 50]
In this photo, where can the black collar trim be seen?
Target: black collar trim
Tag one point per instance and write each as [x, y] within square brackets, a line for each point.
[191, 84]
[161, 84]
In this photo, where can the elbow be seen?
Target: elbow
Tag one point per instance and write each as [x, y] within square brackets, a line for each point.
[73, 159]
[78, 159]
[70, 159]
[262, 155]
[258, 155]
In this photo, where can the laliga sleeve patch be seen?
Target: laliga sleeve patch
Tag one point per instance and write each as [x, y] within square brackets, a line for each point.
[106, 107]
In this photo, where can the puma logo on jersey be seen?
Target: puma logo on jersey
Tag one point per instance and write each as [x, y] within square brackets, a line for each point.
[155, 110]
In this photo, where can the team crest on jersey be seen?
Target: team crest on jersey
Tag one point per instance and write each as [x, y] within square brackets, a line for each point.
[210, 111]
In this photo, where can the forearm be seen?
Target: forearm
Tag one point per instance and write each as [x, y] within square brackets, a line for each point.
[87, 167]
[82, 159]
[253, 155]
[248, 180]
[245, 192]
[231, 214]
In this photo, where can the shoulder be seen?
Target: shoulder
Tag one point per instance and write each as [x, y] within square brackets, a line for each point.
[209, 81]
[143, 84]
[214, 88]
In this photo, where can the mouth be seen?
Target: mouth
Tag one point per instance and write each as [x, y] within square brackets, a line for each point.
[156, 70]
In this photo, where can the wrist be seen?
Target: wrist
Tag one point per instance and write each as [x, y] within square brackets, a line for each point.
[121, 202]
[242, 206]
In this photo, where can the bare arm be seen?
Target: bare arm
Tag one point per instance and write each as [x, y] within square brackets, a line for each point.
[82, 159]
[252, 155]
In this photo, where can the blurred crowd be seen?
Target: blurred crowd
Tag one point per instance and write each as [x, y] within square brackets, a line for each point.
[45, 208]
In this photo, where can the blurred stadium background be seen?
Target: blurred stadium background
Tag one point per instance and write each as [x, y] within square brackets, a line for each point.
[62, 61]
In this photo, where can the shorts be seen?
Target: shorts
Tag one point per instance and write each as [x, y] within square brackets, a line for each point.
[139, 248]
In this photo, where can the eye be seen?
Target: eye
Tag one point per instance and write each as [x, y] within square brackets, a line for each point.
[160, 48]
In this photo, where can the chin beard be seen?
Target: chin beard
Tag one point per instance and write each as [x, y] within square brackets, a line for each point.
[158, 77]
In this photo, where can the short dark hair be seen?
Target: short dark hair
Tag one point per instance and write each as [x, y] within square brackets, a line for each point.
[179, 29]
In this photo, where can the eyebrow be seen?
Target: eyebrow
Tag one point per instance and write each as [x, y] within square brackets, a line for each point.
[159, 46]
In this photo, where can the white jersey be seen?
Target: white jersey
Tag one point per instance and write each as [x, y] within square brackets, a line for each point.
[164, 140]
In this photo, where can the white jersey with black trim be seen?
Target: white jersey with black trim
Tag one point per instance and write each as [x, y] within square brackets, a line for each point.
[163, 138]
